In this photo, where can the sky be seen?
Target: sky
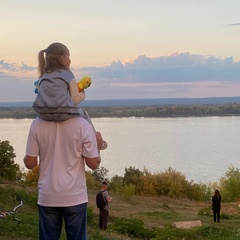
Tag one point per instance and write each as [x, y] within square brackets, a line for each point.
[132, 48]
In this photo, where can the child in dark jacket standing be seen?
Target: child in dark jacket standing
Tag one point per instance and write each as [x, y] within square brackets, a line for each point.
[104, 212]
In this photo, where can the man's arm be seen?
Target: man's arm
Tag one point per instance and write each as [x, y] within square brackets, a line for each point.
[30, 162]
[107, 197]
[93, 163]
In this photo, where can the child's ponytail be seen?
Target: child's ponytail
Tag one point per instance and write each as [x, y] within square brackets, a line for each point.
[41, 62]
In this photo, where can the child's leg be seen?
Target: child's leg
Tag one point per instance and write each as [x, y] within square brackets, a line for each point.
[85, 115]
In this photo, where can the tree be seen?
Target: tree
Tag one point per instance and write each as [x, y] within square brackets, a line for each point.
[100, 174]
[8, 169]
[132, 176]
[229, 184]
[31, 177]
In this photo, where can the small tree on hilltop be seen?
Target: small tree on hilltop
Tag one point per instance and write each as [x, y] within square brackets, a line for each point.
[229, 184]
[100, 174]
[8, 168]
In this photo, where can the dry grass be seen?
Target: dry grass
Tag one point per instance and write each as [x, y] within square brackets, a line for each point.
[154, 211]
[162, 211]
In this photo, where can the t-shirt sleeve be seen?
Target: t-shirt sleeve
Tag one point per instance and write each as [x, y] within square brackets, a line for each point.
[90, 149]
[32, 148]
[106, 195]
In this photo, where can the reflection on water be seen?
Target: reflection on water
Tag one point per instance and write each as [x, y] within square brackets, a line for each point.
[200, 148]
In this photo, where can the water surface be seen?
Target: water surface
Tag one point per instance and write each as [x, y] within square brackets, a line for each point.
[201, 148]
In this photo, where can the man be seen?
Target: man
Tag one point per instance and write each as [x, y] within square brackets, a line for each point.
[63, 149]
[104, 212]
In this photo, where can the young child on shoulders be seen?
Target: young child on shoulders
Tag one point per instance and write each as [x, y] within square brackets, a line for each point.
[58, 94]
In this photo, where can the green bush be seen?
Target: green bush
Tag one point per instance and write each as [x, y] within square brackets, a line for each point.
[229, 185]
[31, 176]
[91, 181]
[125, 191]
[169, 183]
[215, 233]
[205, 212]
[90, 216]
[132, 228]
[224, 216]
[9, 196]
[199, 192]
[115, 182]
[132, 175]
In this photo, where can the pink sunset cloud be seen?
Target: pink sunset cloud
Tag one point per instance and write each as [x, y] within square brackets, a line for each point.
[175, 75]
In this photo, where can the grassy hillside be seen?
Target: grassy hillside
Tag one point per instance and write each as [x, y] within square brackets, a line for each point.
[158, 215]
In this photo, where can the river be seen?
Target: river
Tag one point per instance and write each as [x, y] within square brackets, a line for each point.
[201, 148]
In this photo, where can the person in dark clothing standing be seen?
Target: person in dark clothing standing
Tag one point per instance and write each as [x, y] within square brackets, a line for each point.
[104, 212]
[216, 205]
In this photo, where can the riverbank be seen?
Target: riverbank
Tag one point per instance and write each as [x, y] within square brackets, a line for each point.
[150, 111]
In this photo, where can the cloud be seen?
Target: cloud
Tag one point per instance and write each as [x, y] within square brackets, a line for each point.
[16, 82]
[177, 67]
[15, 89]
[13, 67]
[175, 75]
[234, 24]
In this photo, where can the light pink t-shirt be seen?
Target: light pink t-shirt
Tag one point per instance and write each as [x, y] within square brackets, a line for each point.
[60, 146]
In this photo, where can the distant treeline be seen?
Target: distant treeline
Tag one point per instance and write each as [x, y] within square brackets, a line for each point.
[138, 111]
